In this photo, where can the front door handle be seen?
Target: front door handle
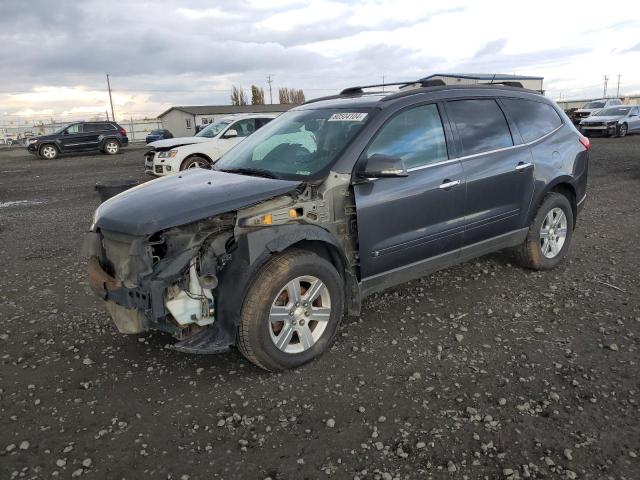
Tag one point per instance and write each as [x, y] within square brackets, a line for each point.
[522, 166]
[447, 184]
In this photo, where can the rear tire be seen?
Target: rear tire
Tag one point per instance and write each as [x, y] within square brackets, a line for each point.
[291, 312]
[195, 162]
[549, 235]
[48, 151]
[111, 147]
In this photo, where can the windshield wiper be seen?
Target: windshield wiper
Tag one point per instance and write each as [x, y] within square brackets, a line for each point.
[250, 171]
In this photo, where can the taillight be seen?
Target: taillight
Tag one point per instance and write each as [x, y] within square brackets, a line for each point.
[585, 142]
[123, 132]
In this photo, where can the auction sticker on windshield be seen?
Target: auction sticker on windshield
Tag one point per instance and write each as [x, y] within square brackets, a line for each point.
[348, 117]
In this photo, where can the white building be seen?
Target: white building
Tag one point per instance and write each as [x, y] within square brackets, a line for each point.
[181, 121]
[524, 81]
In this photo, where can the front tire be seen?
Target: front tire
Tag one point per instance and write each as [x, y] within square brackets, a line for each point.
[291, 312]
[111, 147]
[549, 235]
[622, 130]
[195, 162]
[48, 151]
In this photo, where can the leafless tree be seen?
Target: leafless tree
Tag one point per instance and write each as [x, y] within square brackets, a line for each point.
[291, 95]
[257, 95]
[238, 96]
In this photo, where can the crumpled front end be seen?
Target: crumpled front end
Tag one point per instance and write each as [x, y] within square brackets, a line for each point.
[166, 281]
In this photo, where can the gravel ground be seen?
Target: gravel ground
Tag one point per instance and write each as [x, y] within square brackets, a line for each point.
[484, 370]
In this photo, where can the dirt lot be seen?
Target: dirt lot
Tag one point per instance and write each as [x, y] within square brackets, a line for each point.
[481, 371]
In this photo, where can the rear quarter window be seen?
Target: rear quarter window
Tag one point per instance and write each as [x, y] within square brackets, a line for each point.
[533, 119]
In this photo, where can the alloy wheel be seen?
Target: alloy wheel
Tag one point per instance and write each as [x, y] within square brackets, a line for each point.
[623, 130]
[48, 152]
[553, 232]
[111, 148]
[299, 314]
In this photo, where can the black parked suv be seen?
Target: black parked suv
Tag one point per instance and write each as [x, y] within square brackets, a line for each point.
[106, 137]
[332, 201]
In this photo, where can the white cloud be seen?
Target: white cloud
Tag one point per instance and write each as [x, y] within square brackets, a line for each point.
[185, 51]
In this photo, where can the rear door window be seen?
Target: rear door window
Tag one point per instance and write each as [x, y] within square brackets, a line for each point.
[415, 135]
[533, 119]
[481, 125]
[244, 127]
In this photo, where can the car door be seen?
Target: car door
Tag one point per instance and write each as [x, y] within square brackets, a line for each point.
[404, 221]
[93, 135]
[633, 120]
[72, 138]
[243, 128]
[499, 174]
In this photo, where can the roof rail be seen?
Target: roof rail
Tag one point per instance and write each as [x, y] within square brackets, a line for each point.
[421, 83]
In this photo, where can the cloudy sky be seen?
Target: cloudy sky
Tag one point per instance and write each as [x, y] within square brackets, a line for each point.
[54, 54]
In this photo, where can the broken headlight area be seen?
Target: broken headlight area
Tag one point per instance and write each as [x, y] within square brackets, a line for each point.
[163, 282]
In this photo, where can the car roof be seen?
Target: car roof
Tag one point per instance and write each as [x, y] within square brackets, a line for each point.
[384, 99]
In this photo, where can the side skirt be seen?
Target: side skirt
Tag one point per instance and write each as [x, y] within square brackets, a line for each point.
[419, 269]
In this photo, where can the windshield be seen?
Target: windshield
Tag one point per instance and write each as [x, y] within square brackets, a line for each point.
[614, 112]
[594, 105]
[299, 144]
[214, 129]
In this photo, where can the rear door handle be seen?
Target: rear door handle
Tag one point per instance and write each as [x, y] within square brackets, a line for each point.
[522, 166]
[449, 183]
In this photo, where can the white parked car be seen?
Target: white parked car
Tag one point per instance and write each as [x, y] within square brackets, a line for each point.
[174, 154]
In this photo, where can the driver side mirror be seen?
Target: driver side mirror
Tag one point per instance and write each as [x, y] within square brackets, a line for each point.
[231, 133]
[383, 166]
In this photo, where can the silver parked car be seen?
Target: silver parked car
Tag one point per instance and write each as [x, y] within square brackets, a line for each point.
[613, 121]
[592, 108]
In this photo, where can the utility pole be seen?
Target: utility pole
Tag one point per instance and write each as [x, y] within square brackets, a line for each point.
[383, 82]
[604, 92]
[270, 93]
[107, 114]
[113, 117]
[618, 89]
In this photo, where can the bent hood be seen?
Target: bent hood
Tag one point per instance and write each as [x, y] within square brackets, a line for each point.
[185, 198]
[177, 142]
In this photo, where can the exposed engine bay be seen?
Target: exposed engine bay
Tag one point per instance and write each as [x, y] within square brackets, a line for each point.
[190, 280]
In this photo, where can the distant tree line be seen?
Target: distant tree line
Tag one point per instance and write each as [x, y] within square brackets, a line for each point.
[286, 96]
[291, 95]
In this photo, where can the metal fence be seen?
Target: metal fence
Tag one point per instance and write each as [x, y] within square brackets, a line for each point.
[137, 130]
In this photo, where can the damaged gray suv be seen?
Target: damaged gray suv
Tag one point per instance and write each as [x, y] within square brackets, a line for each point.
[332, 201]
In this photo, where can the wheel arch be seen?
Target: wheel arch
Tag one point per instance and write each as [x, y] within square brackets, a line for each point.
[256, 247]
[563, 185]
[52, 143]
[110, 137]
[195, 154]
